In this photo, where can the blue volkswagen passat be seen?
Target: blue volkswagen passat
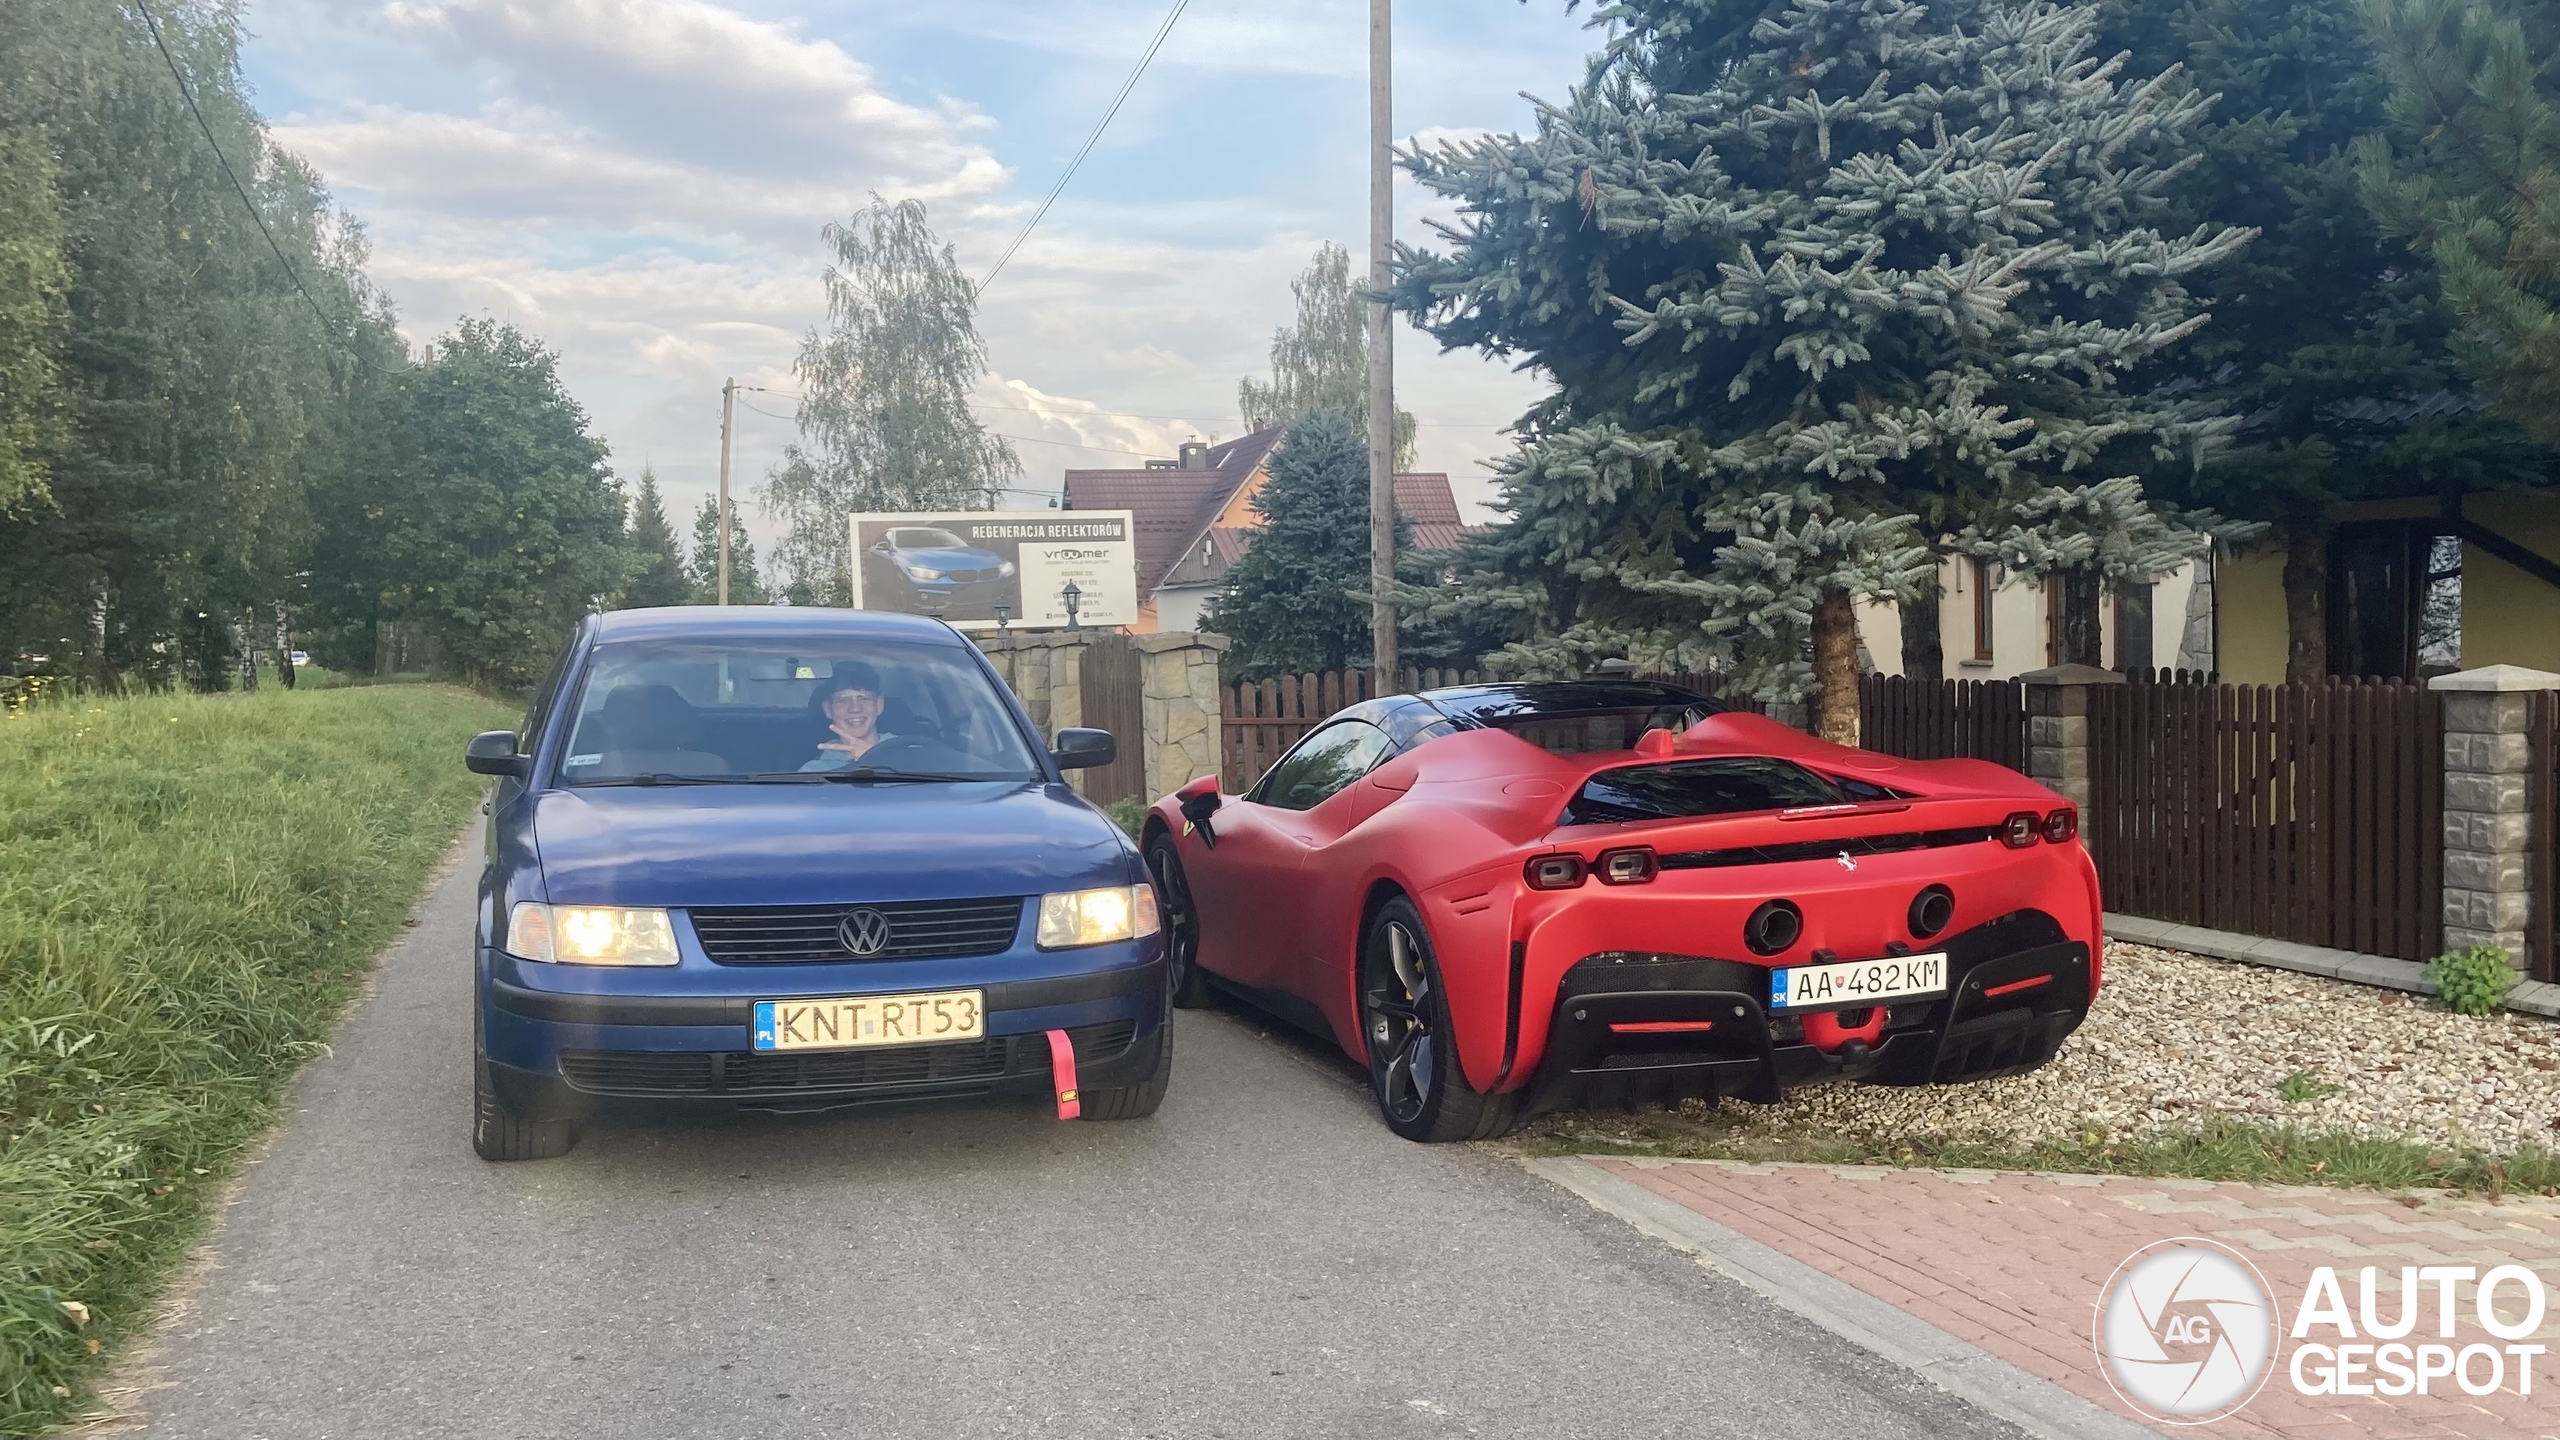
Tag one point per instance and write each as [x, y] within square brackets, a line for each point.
[795, 859]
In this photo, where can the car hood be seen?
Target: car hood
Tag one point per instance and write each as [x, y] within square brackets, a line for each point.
[783, 844]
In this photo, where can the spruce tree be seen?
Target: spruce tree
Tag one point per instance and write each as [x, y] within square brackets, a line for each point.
[661, 580]
[2470, 176]
[1825, 285]
[1299, 599]
[746, 587]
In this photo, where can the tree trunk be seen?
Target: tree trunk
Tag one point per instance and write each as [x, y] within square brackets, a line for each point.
[2080, 633]
[94, 671]
[1835, 668]
[284, 645]
[248, 654]
[1924, 650]
[2306, 606]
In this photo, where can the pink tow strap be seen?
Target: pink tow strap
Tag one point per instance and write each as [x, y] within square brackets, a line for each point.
[1062, 1074]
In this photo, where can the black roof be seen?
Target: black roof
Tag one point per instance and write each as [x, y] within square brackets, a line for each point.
[1500, 704]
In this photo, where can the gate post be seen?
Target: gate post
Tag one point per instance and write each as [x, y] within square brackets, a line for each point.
[2489, 805]
[2058, 729]
[1185, 724]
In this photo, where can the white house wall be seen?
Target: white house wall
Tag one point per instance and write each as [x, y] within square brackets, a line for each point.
[2018, 626]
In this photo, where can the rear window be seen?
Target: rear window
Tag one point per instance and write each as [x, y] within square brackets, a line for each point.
[1686, 789]
[1598, 729]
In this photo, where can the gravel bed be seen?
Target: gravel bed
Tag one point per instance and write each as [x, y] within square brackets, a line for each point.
[2176, 1038]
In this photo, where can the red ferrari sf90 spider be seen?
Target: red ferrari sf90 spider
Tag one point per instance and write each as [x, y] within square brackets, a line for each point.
[1514, 898]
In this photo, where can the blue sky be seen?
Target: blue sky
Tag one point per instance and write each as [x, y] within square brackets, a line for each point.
[641, 183]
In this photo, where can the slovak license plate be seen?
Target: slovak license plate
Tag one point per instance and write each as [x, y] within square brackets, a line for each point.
[856, 1020]
[1857, 982]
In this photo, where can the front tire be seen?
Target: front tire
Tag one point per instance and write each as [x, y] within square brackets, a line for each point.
[1135, 1102]
[1413, 1054]
[498, 1133]
[1181, 919]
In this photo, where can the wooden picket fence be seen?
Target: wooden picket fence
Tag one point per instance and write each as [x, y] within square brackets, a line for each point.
[1944, 719]
[1262, 719]
[2310, 813]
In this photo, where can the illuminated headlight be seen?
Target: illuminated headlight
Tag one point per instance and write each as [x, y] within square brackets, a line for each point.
[1004, 567]
[1070, 918]
[590, 935]
[921, 572]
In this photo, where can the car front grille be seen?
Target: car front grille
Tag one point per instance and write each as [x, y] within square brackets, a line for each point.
[748, 1074]
[803, 934]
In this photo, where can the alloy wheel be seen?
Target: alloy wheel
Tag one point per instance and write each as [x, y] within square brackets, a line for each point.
[1404, 1054]
[1181, 922]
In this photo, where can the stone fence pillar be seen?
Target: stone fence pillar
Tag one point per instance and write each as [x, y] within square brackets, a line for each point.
[1186, 733]
[2489, 807]
[1046, 669]
[2058, 727]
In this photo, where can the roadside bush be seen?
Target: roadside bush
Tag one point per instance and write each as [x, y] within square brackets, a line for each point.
[190, 888]
[1129, 815]
[2473, 981]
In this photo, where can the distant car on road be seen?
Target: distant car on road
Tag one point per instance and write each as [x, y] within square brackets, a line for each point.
[794, 859]
[1509, 898]
[300, 659]
[924, 569]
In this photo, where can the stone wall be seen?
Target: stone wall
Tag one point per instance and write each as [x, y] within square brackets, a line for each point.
[1178, 672]
[2489, 805]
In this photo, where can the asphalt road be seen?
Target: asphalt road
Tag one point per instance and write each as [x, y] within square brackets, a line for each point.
[1262, 1257]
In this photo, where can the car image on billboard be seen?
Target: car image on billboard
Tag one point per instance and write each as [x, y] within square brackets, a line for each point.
[976, 569]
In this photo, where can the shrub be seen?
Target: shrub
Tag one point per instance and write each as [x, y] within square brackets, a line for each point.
[1130, 814]
[2473, 981]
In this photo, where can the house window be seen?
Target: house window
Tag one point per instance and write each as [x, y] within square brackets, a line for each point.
[2133, 627]
[1981, 607]
[2395, 599]
[2052, 620]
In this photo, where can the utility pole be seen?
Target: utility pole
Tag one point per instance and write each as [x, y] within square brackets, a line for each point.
[1382, 354]
[728, 412]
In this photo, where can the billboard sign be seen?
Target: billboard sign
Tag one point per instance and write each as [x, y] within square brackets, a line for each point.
[963, 564]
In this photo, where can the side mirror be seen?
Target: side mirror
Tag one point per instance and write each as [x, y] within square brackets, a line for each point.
[1200, 800]
[493, 752]
[1084, 749]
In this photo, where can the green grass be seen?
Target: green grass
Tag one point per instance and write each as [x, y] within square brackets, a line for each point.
[2218, 1149]
[190, 889]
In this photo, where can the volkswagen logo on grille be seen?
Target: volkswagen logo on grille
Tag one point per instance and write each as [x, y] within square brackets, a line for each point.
[864, 932]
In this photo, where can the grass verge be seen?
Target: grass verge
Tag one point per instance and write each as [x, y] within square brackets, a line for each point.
[2215, 1149]
[190, 889]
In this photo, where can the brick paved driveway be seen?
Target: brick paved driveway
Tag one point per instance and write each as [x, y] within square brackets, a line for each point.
[2014, 1263]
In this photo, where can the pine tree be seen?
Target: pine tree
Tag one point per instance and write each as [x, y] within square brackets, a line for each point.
[1299, 599]
[703, 573]
[2329, 338]
[1322, 362]
[661, 580]
[885, 422]
[1825, 285]
[2470, 177]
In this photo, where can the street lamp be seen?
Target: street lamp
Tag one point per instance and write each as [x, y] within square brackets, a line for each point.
[1071, 597]
[1003, 613]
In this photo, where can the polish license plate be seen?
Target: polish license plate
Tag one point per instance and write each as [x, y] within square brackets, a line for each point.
[1857, 982]
[857, 1020]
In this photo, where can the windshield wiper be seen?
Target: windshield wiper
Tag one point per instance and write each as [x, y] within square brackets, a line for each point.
[656, 778]
[867, 775]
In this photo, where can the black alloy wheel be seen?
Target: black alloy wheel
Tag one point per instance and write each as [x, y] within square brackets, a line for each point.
[1181, 921]
[1413, 1059]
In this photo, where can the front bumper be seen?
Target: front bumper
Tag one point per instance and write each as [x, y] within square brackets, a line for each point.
[557, 1054]
[1996, 1017]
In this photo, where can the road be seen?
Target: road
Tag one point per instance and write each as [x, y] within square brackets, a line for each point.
[1260, 1258]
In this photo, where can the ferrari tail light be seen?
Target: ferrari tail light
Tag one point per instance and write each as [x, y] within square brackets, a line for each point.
[1556, 872]
[1633, 865]
[2062, 826]
[2021, 830]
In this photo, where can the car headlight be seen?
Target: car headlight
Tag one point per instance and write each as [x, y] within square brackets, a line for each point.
[921, 572]
[1004, 567]
[1096, 917]
[590, 935]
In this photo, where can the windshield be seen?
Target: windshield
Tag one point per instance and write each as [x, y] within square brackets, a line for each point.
[709, 710]
[926, 540]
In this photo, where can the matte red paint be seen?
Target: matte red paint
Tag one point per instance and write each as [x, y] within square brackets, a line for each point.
[2014, 986]
[1661, 1027]
[1453, 823]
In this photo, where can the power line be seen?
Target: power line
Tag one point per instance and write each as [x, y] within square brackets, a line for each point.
[187, 93]
[1125, 87]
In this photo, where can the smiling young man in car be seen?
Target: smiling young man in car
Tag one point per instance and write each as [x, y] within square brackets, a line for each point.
[682, 906]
